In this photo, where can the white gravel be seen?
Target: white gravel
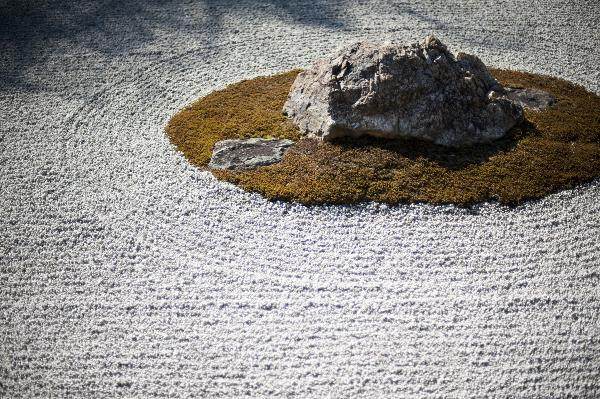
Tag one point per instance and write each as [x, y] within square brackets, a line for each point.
[125, 272]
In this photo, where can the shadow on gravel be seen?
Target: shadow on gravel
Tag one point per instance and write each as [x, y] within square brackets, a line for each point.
[30, 30]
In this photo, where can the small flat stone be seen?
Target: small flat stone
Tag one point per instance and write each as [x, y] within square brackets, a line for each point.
[248, 153]
[534, 99]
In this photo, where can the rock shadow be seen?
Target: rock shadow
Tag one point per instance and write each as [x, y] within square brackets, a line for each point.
[446, 157]
[31, 30]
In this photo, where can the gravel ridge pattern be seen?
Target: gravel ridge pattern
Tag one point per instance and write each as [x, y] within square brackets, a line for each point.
[126, 272]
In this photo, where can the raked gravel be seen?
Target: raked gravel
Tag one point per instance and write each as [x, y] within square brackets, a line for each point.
[125, 272]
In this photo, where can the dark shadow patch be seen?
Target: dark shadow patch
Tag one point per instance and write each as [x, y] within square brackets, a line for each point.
[32, 30]
[448, 158]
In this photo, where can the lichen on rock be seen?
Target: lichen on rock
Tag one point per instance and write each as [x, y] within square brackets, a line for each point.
[534, 99]
[248, 153]
[402, 91]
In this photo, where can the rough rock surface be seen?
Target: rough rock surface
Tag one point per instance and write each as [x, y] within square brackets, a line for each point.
[248, 153]
[534, 99]
[392, 90]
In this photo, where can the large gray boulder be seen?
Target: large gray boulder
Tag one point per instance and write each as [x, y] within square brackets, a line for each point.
[398, 91]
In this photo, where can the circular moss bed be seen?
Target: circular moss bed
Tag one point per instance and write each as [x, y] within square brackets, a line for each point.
[553, 149]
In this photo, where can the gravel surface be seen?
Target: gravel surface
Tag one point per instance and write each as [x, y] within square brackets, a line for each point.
[126, 272]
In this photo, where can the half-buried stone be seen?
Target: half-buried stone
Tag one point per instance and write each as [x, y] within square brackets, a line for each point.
[534, 99]
[247, 154]
[402, 91]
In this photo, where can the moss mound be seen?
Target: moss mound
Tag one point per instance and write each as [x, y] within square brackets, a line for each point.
[554, 149]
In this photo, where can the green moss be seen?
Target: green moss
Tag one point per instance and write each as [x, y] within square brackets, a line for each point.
[554, 149]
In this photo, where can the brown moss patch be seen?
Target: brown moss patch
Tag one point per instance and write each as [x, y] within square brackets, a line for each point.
[250, 108]
[554, 149]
